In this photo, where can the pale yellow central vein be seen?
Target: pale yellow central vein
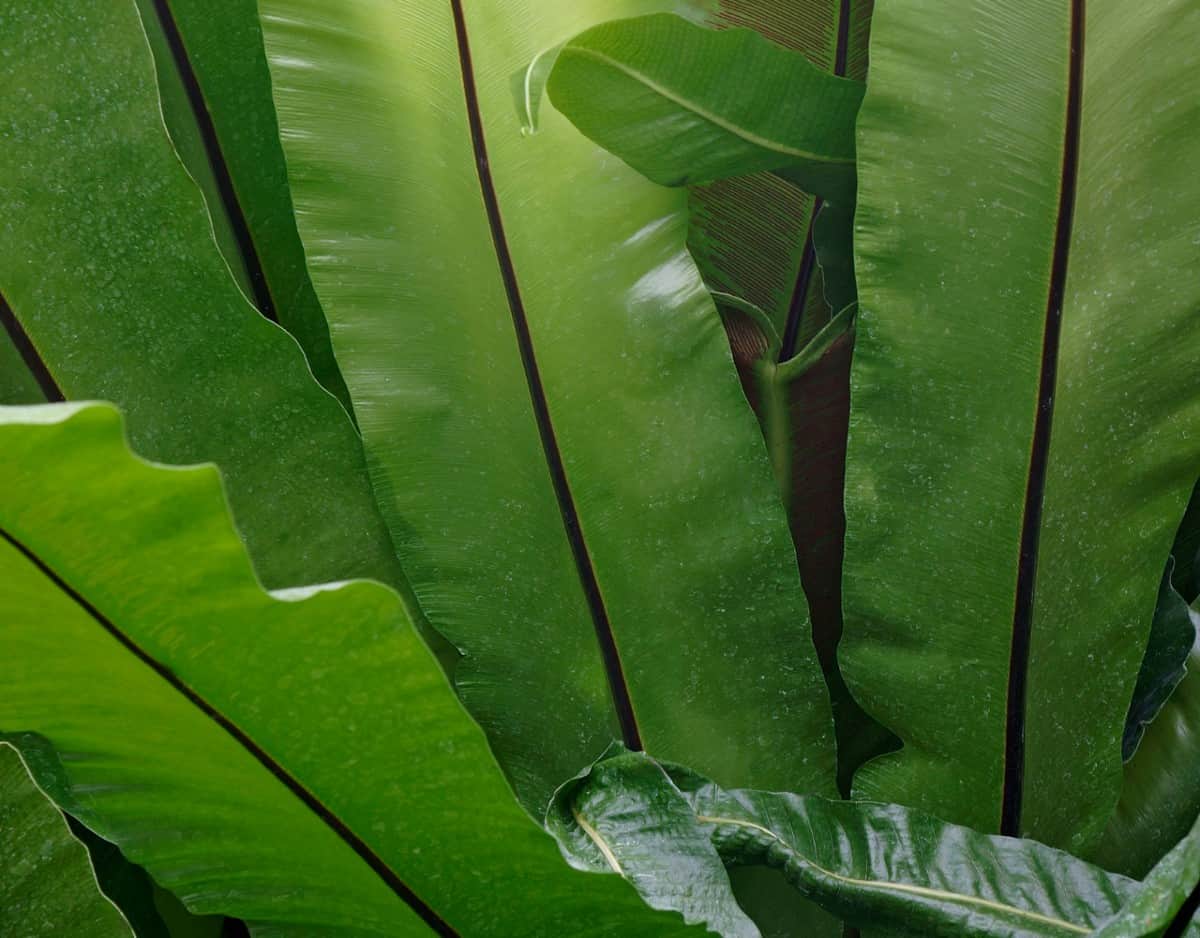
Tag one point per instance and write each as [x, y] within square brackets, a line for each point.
[775, 146]
[923, 891]
[598, 841]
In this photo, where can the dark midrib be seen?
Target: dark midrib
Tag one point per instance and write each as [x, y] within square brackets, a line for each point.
[1185, 915]
[29, 353]
[808, 259]
[619, 688]
[1018, 667]
[352, 840]
[216, 161]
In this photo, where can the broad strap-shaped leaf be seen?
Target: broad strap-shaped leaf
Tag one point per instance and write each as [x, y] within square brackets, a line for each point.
[575, 486]
[293, 759]
[624, 816]
[109, 267]
[1167, 902]
[1024, 434]
[754, 236]
[216, 97]
[1160, 796]
[684, 104]
[47, 887]
[1172, 635]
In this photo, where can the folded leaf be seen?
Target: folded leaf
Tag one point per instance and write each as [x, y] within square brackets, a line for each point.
[624, 816]
[1160, 796]
[754, 236]
[684, 104]
[47, 887]
[575, 485]
[216, 100]
[1024, 434]
[1172, 635]
[111, 272]
[293, 759]
[1166, 902]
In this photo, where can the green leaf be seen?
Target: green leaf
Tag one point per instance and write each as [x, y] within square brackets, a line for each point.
[624, 816]
[48, 888]
[226, 133]
[1172, 635]
[684, 104]
[1024, 434]
[576, 488]
[1186, 551]
[1163, 900]
[753, 236]
[294, 759]
[1160, 796]
[110, 269]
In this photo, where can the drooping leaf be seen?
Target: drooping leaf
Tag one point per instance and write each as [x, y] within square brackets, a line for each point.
[574, 483]
[216, 99]
[47, 887]
[294, 759]
[1166, 902]
[684, 104]
[109, 267]
[1023, 438]
[1160, 795]
[754, 236]
[624, 816]
[1172, 635]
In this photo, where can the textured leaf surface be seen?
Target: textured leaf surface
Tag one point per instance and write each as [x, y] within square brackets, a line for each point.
[47, 887]
[575, 485]
[1160, 796]
[109, 265]
[1001, 566]
[684, 104]
[624, 816]
[293, 759]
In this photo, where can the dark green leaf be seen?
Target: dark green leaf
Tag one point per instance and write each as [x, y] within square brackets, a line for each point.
[47, 887]
[684, 104]
[1002, 566]
[294, 759]
[574, 482]
[1172, 635]
[624, 816]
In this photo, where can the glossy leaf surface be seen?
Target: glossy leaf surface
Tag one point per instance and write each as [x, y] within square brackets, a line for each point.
[754, 236]
[1160, 796]
[108, 262]
[1018, 462]
[47, 887]
[661, 93]
[624, 816]
[312, 780]
[216, 97]
[576, 488]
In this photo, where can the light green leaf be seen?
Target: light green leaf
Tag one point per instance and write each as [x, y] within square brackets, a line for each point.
[624, 816]
[1024, 436]
[684, 104]
[575, 485]
[293, 759]
[110, 268]
[1162, 901]
[47, 887]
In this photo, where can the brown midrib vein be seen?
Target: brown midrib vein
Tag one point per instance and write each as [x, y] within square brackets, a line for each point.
[247, 251]
[29, 353]
[294, 785]
[808, 257]
[618, 687]
[1018, 667]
